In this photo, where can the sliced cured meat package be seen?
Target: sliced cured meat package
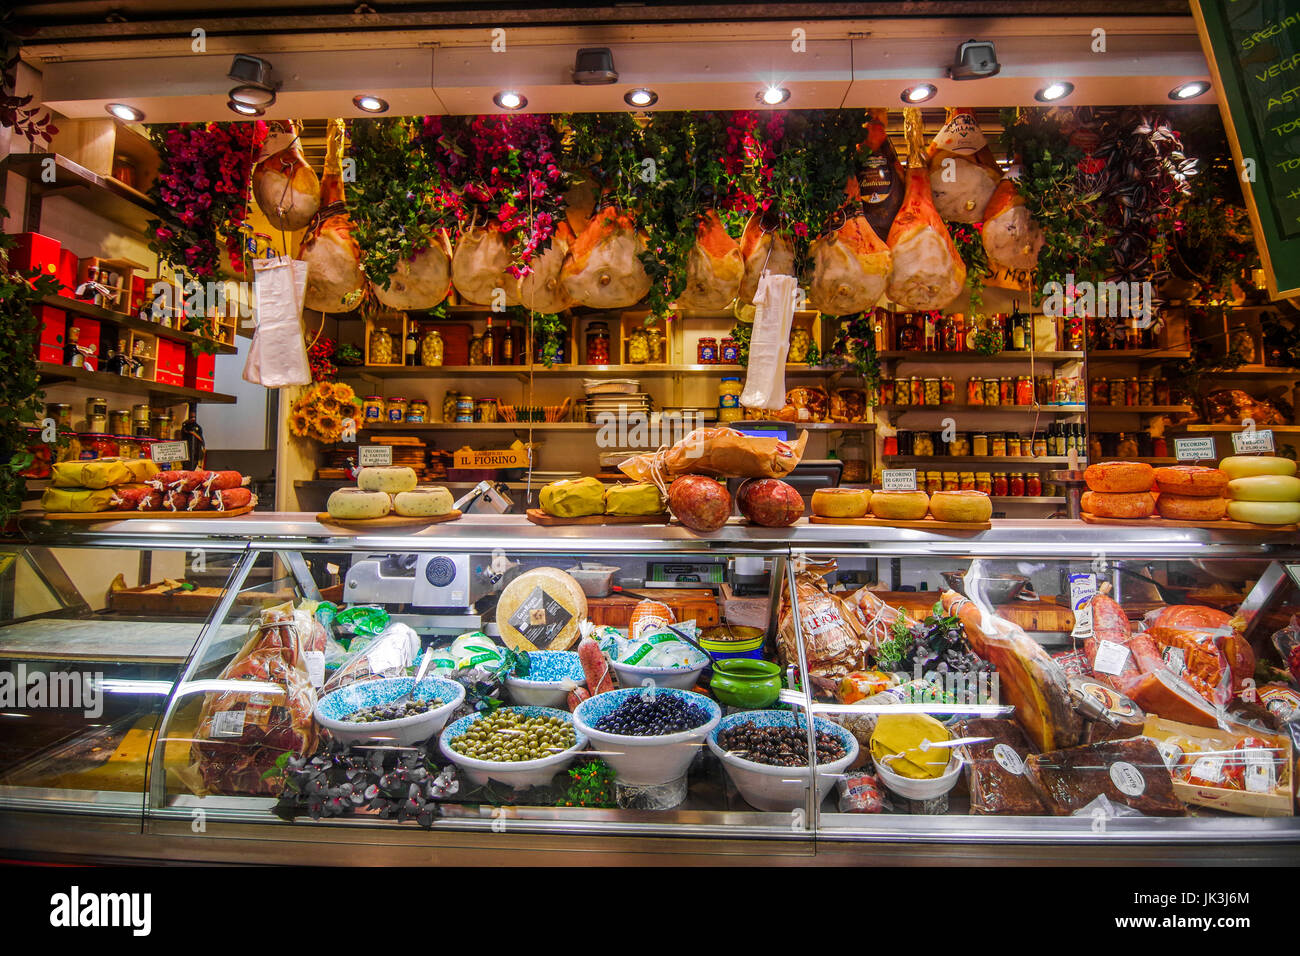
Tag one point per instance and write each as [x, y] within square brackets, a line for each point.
[1129, 772]
[996, 769]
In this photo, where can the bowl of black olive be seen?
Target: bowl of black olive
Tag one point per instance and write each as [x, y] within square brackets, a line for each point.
[648, 735]
[765, 753]
[380, 711]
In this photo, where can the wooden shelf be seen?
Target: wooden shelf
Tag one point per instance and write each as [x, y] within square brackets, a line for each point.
[1136, 355]
[1140, 409]
[1255, 371]
[52, 373]
[77, 307]
[991, 409]
[916, 356]
[442, 371]
[592, 426]
[1146, 461]
[1226, 429]
[1028, 499]
[974, 463]
[102, 195]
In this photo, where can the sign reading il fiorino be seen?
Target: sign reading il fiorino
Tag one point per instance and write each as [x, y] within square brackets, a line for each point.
[499, 458]
[1253, 49]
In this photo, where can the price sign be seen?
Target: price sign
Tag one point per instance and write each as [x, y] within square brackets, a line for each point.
[1194, 449]
[374, 456]
[166, 452]
[898, 479]
[1261, 440]
[1083, 587]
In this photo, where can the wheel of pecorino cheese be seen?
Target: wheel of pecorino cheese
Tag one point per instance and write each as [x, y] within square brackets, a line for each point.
[1119, 477]
[1103, 504]
[1194, 480]
[1191, 507]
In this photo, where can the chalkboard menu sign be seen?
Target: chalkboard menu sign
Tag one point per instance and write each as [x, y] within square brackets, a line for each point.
[1253, 48]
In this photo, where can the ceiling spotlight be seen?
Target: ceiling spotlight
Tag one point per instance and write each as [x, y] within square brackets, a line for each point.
[126, 113]
[243, 109]
[772, 96]
[1187, 91]
[640, 98]
[510, 100]
[371, 104]
[1054, 91]
[919, 93]
[976, 59]
[594, 66]
[259, 97]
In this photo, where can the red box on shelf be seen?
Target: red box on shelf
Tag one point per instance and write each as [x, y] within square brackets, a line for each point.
[87, 339]
[33, 251]
[54, 330]
[170, 366]
[139, 289]
[68, 265]
[200, 371]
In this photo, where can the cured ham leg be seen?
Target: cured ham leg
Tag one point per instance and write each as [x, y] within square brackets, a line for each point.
[963, 172]
[851, 266]
[285, 187]
[334, 276]
[880, 175]
[542, 290]
[1012, 238]
[714, 267]
[764, 251]
[422, 281]
[604, 270]
[478, 268]
[928, 273]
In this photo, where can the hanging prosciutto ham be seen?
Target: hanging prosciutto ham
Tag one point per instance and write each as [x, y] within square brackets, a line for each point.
[963, 172]
[1012, 238]
[478, 268]
[422, 281]
[928, 273]
[542, 290]
[881, 182]
[765, 251]
[714, 267]
[334, 277]
[851, 265]
[603, 270]
[285, 187]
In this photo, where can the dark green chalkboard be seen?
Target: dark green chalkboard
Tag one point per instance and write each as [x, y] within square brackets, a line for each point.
[1253, 48]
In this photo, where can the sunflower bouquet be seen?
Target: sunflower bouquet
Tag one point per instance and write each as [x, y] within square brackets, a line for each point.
[321, 411]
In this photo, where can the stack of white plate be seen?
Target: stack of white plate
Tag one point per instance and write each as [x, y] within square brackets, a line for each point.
[611, 386]
[619, 406]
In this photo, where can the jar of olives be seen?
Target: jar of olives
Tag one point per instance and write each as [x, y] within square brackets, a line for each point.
[923, 444]
[431, 349]
[381, 347]
[638, 347]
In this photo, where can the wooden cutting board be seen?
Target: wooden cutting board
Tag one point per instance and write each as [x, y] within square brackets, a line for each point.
[925, 524]
[687, 604]
[540, 517]
[128, 515]
[1224, 524]
[395, 523]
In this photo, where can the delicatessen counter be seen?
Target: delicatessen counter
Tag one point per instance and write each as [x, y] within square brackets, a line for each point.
[1038, 691]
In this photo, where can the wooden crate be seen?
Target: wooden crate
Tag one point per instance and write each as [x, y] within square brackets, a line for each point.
[122, 268]
[101, 145]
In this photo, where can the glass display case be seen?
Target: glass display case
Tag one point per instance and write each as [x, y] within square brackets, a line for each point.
[1042, 690]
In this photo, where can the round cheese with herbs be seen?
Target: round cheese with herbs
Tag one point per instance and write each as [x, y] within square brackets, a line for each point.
[390, 479]
[424, 503]
[355, 504]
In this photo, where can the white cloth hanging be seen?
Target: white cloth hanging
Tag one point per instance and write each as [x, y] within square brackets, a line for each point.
[278, 358]
[769, 343]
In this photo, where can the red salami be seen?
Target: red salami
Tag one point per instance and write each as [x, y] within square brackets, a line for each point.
[769, 502]
[200, 501]
[702, 504]
[128, 497]
[594, 667]
[222, 480]
[153, 501]
[233, 498]
[176, 500]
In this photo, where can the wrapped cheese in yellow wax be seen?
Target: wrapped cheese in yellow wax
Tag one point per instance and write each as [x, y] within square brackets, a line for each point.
[896, 743]
[573, 498]
[642, 498]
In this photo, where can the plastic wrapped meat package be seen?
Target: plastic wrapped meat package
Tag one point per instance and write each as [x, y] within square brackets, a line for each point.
[833, 639]
[388, 655]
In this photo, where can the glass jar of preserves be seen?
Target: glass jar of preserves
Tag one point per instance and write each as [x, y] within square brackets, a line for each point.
[959, 447]
[1161, 388]
[992, 392]
[464, 408]
[903, 392]
[1024, 390]
[396, 409]
[730, 351]
[733, 414]
[485, 410]
[373, 408]
[1159, 446]
[931, 391]
[655, 339]
[706, 351]
[638, 347]
[1127, 446]
[984, 482]
[1038, 447]
[1132, 391]
[61, 412]
[431, 349]
[933, 482]
[381, 348]
[979, 445]
[886, 391]
[1147, 391]
[1001, 484]
[96, 407]
[951, 481]
[1117, 389]
[800, 343]
[974, 391]
[923, 444]
[947, 391]
[998, 445]
[967, 481]
[97, 424]
[1026, 446]
[1100, 391]
[1006, 390]
[905, 443]
[128, 447]
[160, 425]
[476, 349]
[98, 445]
[1033, 485]
[917, 385]
[1016, 486]
[729, 390]
[598, 343]
[119, 421]
[449, 405]
[417, 411]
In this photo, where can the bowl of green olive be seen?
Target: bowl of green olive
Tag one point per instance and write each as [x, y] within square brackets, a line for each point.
[519, 746]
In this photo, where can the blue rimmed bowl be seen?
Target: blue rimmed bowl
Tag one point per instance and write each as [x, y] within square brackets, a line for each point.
[551, 675]
[645, 761]
[520, 773]
[333, 709]
[780, 788]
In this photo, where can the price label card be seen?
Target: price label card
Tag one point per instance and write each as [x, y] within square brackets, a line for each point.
[1194, 449]
[1260, 440]
[1083, 587]
[166, 452]
[374, 456]
[898, 479]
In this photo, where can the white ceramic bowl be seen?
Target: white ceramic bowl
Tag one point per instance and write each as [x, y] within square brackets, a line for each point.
[644, 761]
[520, 774]
[564, 673]
[921, 789]
[633, 675]
[404, 732]
[765, 787]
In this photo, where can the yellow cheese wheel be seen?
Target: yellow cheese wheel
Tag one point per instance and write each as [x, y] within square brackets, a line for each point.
[355, 503]
[1265, 488]
[961, 506]
[424, 503]
[389, 479]
[542, 608]
[1243, 466]
[841, 502]
[1265, 512]
[900, 505]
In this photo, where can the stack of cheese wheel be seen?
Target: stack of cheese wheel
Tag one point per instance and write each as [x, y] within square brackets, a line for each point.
[1191, 493]
[1262, 489]
[1119, 489]
[389, 489]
